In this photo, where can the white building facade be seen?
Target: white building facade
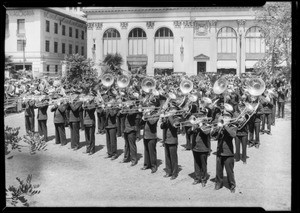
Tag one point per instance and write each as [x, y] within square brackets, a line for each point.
[190, 40]
[39, 38]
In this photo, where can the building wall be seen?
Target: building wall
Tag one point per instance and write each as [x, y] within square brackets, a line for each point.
[194, 29]
[36, 36]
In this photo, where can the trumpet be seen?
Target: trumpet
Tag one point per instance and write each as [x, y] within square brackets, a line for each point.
[193, 120]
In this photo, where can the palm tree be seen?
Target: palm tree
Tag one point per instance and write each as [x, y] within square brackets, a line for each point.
[114, 61]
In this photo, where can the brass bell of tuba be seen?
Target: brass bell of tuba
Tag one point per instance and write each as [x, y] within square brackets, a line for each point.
[123, 81]
[186, 86]
[220, 86]
[107, 79]
[148, 84]
[256, 86]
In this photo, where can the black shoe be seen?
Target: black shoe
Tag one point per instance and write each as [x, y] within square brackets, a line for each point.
[236, 160]
[269, 133]
[167, 175]
[91, 153]
[76, 148]
[257, 146]
[108, 156]
[133, 164]
[203, 184]
[85, 152]
[114, 157]
[153, 170]
[125, 161]
[244, 162]
[232, 189]
[196, 182]
[145, 167]
[218, 186]
[173, 177]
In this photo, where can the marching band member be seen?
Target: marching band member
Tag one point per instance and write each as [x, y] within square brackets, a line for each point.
[171, 145]
[74, 121]
[130, 136]
[89, 121]
[241, 138]
[266, 101]
[150, 140]
[111, 130]
[29, 106]
[201, 150]
[188, 129]
[254, 123]
[225, 154]
[59, 122]
[42, 117]
[100, 120]
[282, 93]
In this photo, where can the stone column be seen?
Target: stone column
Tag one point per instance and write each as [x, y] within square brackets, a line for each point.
[124, 44]
[241, 47]
[150, 47]
[98, 36]
[90, 29]
[214, 46]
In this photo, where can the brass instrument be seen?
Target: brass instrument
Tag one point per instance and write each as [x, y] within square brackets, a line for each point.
[220, 86]
[148, 84]
[123, 81]
[186, 86]
[256, 86]
[107, 79]
[193, 120]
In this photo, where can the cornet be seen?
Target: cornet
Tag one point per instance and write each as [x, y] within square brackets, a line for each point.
[123, 81]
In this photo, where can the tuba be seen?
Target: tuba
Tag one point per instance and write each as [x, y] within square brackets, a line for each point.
[186, 86]
[107, 79]
[148, 84]
[220, 86]
[123, 81]
[256, 86]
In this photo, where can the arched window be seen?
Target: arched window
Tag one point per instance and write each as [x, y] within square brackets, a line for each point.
[255, 40]
[164, 44]
[227, 39]
[111, 41]
[137, 42]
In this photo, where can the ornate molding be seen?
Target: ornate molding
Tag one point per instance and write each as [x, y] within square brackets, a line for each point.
[150, 24]
[177, 24]
[124, 25]
[90, 25]
[212, 23]
[241, 24]
[201, 28]
[62, 19]
[98, 25]
[20, 12]
[188, 24]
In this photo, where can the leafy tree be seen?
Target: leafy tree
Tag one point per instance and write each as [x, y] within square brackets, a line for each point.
[275, 20]
[9, 66]
[16, 196]
[79, 71]
[113, 61]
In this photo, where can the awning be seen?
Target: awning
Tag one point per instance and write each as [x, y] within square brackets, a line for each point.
[137, 63]
[163, 65]
[226, 64]
[250, 63]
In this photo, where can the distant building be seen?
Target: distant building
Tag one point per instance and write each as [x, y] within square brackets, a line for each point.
[176, 39]
[39, 38]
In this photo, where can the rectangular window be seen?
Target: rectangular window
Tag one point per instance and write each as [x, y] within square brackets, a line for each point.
[70, 31]
[76, 49]
[55, 28]
[63, 48]
[82, 35]
[47, 26]
[20, 45]
[21, 26]
[56, 68]
[82, 50]
[70, 48]
[76, 33]
[48, 68]
[47, 47]
[55, 46]
[64, 30]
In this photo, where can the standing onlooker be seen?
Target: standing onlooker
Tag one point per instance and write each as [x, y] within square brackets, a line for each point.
[29, 106]
[282, 94]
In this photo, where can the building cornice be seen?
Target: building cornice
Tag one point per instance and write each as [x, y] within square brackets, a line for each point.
[112, 10]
